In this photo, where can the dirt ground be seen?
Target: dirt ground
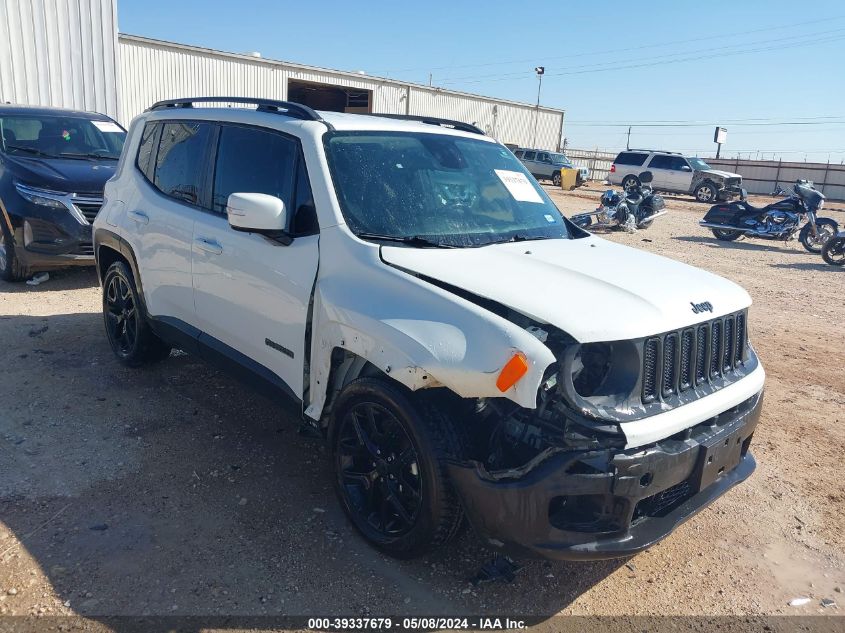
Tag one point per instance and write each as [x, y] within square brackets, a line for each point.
[177, 490]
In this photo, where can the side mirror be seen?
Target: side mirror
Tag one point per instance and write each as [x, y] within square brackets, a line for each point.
[646, 177]
[257, 212]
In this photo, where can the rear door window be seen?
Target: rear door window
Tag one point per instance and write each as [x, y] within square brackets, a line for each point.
[630, 158]
[530, 156]
[181, 161]
[145, 149]
[254, 160]
[660, 161]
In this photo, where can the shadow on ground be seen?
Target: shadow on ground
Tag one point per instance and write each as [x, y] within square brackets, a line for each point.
[60, 280]
[174, 490]
[744, 245]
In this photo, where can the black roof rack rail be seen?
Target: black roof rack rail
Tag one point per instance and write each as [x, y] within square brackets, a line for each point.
[656, 151]
[431, 120]
[288, 108]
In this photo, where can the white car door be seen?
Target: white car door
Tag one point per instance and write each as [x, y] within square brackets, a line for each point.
[251, 291]
[659, 168]
[159, 219]
[680, 174]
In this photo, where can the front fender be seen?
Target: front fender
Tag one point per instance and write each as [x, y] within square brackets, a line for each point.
[416, 332]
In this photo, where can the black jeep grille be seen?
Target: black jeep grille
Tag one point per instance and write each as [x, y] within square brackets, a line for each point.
[677, 361]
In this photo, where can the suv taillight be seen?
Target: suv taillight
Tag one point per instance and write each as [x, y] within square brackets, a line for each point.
[613, 168]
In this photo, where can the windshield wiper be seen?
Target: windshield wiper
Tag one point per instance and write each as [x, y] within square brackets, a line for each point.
[30, 150]
[411, 240]
[86, 155]
[517, 237]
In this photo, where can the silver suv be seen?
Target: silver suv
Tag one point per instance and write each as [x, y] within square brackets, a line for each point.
[547, 165]
[675, 173]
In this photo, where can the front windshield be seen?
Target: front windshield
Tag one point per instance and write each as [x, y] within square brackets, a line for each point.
[698, 164]
[560, 159]
[60, 136]
[448, 190]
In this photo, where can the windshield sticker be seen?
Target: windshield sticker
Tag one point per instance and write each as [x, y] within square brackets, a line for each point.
[107, 126]
[66, 135]
[550, 219]
[518, 186]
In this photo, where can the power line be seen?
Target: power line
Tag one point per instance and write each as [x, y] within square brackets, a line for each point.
[619, 50]
[779, 46]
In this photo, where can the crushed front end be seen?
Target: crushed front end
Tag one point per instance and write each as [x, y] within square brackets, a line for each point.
[565, 481]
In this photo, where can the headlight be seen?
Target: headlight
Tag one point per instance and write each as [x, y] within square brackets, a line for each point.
[41, 197]
[603, 374]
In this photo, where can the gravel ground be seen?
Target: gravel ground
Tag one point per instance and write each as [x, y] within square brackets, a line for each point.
[176, 490]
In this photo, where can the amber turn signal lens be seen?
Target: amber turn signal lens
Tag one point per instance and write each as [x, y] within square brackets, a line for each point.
[513, 370]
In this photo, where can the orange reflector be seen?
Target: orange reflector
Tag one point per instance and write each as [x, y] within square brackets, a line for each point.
[513, 370]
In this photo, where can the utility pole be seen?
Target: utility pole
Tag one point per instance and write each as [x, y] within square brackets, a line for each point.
[628, 142]
[540, 70]
[429, 80]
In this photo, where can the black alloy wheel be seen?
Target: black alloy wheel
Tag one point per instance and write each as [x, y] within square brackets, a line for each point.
[122, 316]
[379, 471]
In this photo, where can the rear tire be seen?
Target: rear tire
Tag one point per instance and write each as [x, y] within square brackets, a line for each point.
[10, 266]
[630, 182]
[833, 252]
[826, 229]
[389, 450]
[726, 235]
[129, 334]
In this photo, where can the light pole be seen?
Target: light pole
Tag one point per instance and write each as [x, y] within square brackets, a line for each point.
[540, 70]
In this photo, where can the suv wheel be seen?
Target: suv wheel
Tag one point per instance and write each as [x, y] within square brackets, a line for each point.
[556, 179]
[130, 336]
[629, 182]
[706, 192]
[10, 266]
[388, 448]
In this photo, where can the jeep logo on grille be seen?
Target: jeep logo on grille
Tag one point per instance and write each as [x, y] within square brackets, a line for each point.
[701, 307]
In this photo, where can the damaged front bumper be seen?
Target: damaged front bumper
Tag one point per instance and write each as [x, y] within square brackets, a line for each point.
[612, 502]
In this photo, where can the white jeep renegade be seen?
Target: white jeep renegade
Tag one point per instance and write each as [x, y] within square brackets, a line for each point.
[466, 350]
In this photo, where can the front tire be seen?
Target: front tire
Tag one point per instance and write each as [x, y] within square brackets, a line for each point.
[129, 334]
[706, 192]
[389, 447]
[833, 252]
[556, 179]
[726, 235]
[10, 266]
[825, 229]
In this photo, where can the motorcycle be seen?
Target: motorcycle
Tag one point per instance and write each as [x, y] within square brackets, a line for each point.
[795, 214]
[833, 251]
[633, 208]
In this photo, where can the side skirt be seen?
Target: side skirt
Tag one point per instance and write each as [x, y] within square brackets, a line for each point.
[194, 341]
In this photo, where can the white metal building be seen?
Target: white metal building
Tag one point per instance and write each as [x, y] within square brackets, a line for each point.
[68, 53]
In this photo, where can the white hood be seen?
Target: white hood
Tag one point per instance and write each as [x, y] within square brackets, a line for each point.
[593, 289]
[719, 172]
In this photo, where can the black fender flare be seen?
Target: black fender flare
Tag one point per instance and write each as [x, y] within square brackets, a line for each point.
[110, 239]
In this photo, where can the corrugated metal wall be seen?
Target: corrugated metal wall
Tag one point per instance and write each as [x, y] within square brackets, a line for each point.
[153, 70]
[761, 176]
[59, 53]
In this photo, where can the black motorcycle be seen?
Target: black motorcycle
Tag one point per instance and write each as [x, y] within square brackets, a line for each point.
[833, 251]
[780, 220]
[633, 208]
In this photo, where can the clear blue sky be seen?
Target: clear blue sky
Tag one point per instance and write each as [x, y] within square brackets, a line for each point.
[704, 61]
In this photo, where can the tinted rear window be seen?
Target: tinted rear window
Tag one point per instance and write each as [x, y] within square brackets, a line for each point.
[530, 156]
[181, 160]
[630, 158]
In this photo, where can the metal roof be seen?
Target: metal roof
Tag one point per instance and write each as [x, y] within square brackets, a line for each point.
[356, 76]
